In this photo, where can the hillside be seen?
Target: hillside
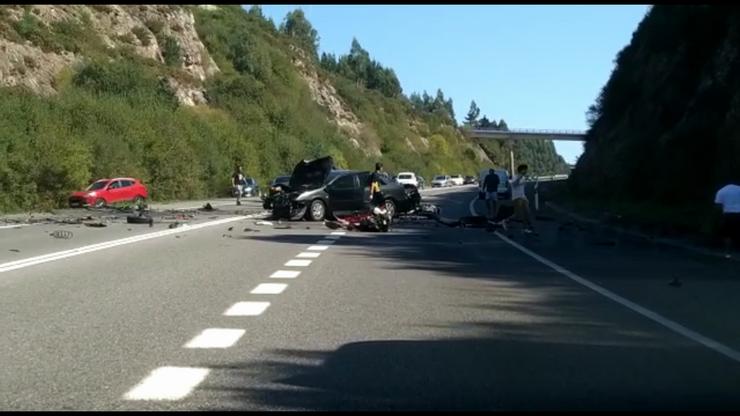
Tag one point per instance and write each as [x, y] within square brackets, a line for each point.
[666, 128]
[176, 95]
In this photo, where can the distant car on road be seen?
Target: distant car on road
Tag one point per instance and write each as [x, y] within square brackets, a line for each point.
[109, 191]
[407, 178]
[440, 181]
[249, 188]
[468, 180]
[456, 180]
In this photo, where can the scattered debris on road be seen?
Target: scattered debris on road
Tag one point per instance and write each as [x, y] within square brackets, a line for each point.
[96, 224]
[263, 223]
[63, 234]
[14, 250]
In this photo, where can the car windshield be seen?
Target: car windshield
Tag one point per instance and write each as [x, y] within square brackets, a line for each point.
[439, 178]
[97, 185]
[281, 180]
[404, 176]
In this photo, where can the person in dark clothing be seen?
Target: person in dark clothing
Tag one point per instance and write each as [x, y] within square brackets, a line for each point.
[490, 187]
[237, 180]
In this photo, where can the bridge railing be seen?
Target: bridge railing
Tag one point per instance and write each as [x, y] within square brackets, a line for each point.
[530, 131]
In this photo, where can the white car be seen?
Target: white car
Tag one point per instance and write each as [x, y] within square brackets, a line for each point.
[457, 180]
[407, 178]
[440, 181]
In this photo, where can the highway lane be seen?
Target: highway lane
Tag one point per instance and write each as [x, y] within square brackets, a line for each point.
[422, 317]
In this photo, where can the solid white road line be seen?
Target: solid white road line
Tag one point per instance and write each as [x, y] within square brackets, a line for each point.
[338, 233]
[168, 383]
[298, 263]
[216, 338]
[317, 248]
[285, 274]
[672, 325]
[247, 309]
[308, 255]
[4, 227]
[269, 289]
[31, 261]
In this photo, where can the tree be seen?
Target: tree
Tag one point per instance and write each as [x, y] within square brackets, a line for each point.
[502, 125]
[485, 123]
[299, 28]
[472, 118]
[329, 62]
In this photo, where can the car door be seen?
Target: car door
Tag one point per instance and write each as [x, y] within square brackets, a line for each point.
[127, 190]
[113, 192]
[343, 192]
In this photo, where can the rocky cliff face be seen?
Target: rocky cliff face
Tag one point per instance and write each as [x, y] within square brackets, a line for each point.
[33, 51]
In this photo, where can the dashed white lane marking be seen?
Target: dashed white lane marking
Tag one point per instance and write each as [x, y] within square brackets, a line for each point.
[168, 383]
[338, 233]
[326, 242]
[269, 289]
[285, 274]
[672, 325]
[317, 248]
[247, 309]
[31, 261]
[308, 255]
[333, 237]
[298, 263]
[216, 338]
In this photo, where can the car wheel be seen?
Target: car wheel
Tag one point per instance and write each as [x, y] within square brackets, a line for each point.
[296, 214]
[99, 203]
[317, 211]
[390, 206]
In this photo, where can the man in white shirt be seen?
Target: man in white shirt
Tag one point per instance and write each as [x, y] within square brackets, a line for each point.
[521, 203]
[729, 199]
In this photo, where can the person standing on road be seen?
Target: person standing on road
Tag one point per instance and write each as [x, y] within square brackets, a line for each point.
[490, 187]
[237, 180]
[521, 203]
[376, 197]
[728, 199]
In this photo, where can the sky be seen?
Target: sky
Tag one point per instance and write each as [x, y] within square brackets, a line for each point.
[537, 67]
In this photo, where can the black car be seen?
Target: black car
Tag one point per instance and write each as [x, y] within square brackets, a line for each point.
[316, 190]
[279, 184]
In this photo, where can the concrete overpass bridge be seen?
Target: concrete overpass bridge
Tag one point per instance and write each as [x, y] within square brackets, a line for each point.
[509, 135]
[524, 134]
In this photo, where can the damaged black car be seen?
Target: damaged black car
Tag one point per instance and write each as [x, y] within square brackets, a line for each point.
[317, 191]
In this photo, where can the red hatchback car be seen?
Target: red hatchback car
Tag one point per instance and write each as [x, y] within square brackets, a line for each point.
[108, 191]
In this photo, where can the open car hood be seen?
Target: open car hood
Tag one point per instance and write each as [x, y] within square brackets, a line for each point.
[310, 174]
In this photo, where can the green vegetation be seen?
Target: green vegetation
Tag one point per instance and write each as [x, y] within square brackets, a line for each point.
[664, 128]
[114, 113]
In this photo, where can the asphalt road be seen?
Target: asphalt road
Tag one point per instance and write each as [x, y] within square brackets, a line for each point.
[422, 317]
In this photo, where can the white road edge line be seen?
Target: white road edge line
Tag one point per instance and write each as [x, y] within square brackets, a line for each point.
[168, 383]
[338, 233]
[215, 338]
[5, 227]
[31, 261]
[247, 309]
[672, 325]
